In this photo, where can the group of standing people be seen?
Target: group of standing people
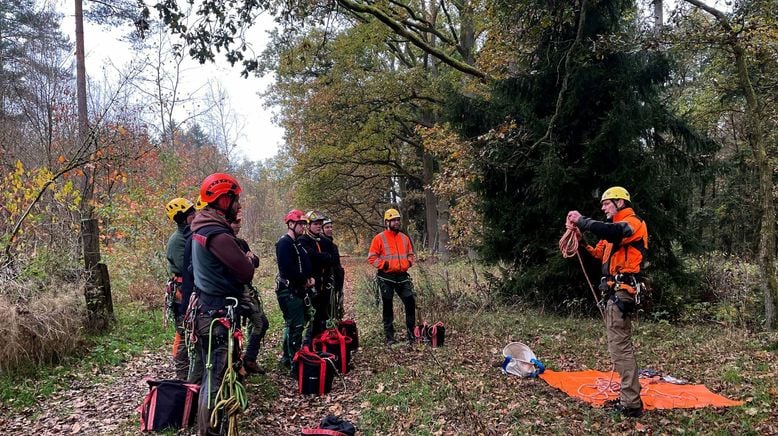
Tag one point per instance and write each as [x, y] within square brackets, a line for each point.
[210, 287]
[212, 270]
[309, 284]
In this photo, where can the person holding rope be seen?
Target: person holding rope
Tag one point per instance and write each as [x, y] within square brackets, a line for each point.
[621, 249]
[181, 211]
[221, 271]
[293, 284]
[391, 253]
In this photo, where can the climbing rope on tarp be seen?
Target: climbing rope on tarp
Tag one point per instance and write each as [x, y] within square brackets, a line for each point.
[596, 387]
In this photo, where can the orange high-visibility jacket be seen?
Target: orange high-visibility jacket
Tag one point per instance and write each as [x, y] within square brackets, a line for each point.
[391, 252]
[622, 252]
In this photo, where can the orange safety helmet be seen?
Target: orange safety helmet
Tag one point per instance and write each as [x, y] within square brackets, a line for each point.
[295, 215]
[218, 184]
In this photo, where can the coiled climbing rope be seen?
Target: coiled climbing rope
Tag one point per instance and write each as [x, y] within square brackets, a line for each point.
[568, 245]
[231, 397]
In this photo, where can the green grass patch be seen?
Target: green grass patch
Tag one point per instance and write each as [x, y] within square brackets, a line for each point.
[136, 329]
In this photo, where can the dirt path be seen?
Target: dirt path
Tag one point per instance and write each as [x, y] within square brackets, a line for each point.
[96, 404]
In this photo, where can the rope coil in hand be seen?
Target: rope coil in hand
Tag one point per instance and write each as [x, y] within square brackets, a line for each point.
[568, 245]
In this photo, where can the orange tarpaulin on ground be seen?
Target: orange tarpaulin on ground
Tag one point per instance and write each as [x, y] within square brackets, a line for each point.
[596, 387]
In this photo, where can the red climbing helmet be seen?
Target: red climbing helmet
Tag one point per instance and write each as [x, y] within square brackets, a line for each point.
[295, 215]
[218, 184]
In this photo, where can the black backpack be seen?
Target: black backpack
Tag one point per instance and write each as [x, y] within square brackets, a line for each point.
[169, 404]
[331, 426]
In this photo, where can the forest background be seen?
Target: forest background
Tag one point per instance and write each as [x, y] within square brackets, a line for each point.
[483, 121]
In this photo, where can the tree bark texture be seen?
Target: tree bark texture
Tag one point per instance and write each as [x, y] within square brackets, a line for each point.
[97, 289]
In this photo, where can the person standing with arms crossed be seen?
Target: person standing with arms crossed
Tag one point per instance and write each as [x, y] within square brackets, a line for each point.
[621, 249]
[391, 253]
[221, 271]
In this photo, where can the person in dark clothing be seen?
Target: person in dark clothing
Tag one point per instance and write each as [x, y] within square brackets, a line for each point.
[251, 307]
[293, 284]
[337, 268]
[190, 307]
[321, 262]
[181, 211]
[221, 270]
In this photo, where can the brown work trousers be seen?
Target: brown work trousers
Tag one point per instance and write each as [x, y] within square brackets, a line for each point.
[619, 330]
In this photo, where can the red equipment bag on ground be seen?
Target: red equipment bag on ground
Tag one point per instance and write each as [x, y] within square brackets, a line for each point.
[169, 404]
[334, 342]
[315, 371]
[434, 335]
[349, 329]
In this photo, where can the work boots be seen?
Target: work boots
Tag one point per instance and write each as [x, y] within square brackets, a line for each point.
[630, 412]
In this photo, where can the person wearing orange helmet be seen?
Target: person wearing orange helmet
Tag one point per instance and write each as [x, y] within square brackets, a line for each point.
[181, 211]
[391, 253]
[621, 249]
[221, 271]
[294, 283]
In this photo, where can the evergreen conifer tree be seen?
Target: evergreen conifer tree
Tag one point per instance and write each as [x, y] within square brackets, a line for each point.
[610, 127]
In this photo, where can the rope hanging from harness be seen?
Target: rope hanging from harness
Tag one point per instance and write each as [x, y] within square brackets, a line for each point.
[332, 319]
[568, 245]
[231, 397]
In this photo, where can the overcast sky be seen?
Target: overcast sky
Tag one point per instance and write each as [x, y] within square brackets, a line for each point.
[260, 139]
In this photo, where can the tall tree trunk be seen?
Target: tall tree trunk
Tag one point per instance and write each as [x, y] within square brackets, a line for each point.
[658, 15]
[430, 201]
[767, 228]
[97, 289]
[756, 140]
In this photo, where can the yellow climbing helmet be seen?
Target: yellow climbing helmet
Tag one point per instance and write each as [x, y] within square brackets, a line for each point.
[615, 193]
[391, 214]
[177, 205]
[199, 204]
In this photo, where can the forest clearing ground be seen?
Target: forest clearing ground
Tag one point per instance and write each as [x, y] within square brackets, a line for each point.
[455, 389]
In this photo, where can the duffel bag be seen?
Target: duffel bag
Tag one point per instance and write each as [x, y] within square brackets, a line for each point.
[349, 329]
[436, 334]
[334, 342]
[169, 404]
[315, 371]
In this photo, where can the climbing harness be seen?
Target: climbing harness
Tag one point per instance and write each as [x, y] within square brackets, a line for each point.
[231, 397]
[172, 288]
[190, 332]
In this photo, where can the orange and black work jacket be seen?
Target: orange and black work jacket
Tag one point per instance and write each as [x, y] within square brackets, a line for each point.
[391, 252]
[623, 245]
